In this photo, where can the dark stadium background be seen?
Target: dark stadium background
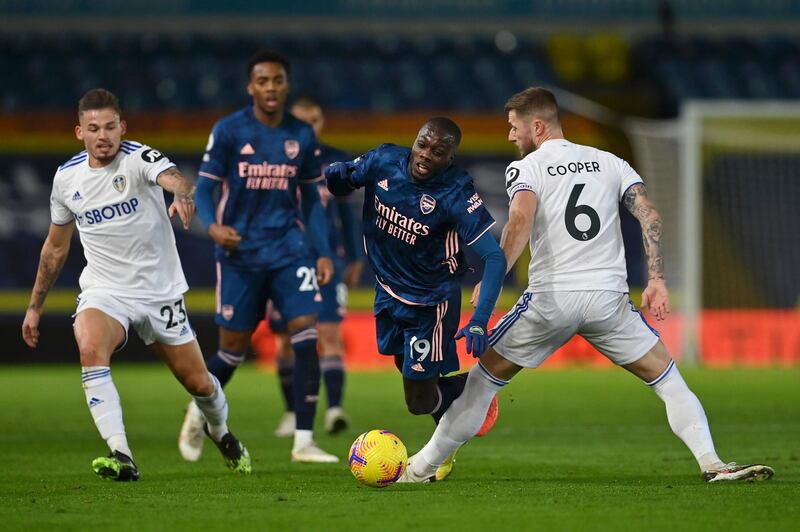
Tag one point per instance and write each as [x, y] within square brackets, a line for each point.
[380, 68]
[576, 447]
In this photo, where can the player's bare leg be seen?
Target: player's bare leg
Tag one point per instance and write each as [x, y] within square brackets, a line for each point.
[98, 335]
[422, 397]
[331, 347]
[687, 419]
[285, 360]
[303, 338]
[231, 353]
[465, 416]
[186, 363]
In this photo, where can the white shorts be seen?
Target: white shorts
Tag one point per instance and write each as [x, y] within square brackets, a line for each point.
[165, 321]
[541, 323]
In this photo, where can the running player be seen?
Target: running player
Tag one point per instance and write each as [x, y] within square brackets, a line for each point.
[260, 156]
[112, 191]
[345, 243]
[565, 198]
[420, 211]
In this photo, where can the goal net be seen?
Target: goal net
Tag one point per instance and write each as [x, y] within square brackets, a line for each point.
[726, 178]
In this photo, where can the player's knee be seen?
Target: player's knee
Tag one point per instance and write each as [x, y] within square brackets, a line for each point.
[93, 354]
[301, 322]
[198, 383]
[418, 409]
[419, 405]
[234, 341]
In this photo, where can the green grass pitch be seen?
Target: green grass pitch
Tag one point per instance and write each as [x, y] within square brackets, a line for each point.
[572, 450]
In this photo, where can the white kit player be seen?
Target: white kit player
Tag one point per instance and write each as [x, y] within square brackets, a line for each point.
[564, 199]
[113, 192]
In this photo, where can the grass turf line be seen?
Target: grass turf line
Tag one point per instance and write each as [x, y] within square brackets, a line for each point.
[572, 450]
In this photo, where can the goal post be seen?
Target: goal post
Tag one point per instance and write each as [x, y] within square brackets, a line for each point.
[726, 177]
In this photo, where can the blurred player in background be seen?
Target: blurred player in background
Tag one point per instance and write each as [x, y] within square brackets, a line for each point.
[133, 276]
[564, 199]
[345, 243]
[260, 156]
[420, 211]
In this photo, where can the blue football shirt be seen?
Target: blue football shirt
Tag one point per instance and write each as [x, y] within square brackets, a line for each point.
[415, 232]
[260, 168]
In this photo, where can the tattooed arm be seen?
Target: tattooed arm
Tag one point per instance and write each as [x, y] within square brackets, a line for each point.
[172, 180]
[54, 253]
[655, 297]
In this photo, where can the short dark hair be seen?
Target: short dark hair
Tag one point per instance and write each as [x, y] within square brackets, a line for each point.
[535, 101]
[306, 100]
[445, 126]
[98, 98]
[266, 56]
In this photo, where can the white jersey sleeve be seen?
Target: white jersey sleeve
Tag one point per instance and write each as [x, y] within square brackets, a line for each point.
[59, 212]
[628, 177]
[521, 176]
[149, 163]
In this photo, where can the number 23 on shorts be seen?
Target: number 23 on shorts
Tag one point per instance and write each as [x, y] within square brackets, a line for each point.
[174, 314]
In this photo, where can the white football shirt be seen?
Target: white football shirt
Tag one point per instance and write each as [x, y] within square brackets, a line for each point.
[576, 243]
[122, 220]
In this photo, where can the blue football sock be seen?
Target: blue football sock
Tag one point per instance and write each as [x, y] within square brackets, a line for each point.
[450, 388]
[285, 377]
[223, 364]
[306, 377]
[332, 368]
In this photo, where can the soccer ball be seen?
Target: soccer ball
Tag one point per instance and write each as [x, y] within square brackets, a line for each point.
[377, 458]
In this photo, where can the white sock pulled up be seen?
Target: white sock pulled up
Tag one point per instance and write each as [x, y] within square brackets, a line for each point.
[686, 416]
[215, 410]
[105, 407]
[461, 421]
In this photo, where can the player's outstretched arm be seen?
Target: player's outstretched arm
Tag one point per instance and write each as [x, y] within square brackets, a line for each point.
[516, 233]
[339, 178]
[656, 296]
[172, 180]
[54, 253]
[494, 271]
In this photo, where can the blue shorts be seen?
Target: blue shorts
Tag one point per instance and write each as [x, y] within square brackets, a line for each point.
[242, 295]
[422, 334]
[334, 303]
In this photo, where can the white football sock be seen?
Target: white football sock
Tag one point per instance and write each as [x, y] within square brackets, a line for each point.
[103, 401]
[215, 410]
[460, 422]
[686, 416]
[302, 438]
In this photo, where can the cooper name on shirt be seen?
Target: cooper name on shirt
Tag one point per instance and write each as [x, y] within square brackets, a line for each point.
[574, 168]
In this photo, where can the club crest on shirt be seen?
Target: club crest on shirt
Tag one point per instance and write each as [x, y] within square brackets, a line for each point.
[119, 183]
[427, 204]
[227, 312]
[292, 148]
